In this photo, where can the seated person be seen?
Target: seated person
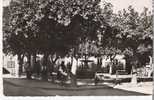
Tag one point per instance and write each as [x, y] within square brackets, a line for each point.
[62, 73]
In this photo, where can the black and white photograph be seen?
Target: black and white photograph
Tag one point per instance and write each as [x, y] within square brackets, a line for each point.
[77, 48]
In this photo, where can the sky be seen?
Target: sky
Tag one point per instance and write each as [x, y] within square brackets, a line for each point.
[120, 4]
[6, 2]
[138, 5]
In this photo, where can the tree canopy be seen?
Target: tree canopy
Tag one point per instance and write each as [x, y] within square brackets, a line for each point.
[49, 26]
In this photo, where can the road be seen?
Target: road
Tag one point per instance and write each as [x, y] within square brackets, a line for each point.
[24, 87]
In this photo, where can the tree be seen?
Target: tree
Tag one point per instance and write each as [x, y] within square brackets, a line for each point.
[134, 29]
[50, 26]
[135, 36]
[108, 42]
[20, 36]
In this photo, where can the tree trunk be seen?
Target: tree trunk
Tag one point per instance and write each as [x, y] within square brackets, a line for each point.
[73, 80]
[134, 67]
[98, 63]
[134, 76]
[128, 65]
[111, 67]
[34, 63]
[20, 59]
[111, 64]
[73, 76]
[45, 67]
[28, 70]
[20, 65]
[34, 58]
[53, 61]
[110, 70]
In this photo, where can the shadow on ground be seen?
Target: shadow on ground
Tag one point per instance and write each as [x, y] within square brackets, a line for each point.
[24, 87]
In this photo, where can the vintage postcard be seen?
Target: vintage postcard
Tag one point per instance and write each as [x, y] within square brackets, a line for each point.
[73, 48]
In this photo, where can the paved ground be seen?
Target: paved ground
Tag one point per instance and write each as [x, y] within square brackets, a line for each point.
[24, 87]
[142, 87]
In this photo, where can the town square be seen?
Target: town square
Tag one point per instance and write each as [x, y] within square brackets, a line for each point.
[77, 48]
